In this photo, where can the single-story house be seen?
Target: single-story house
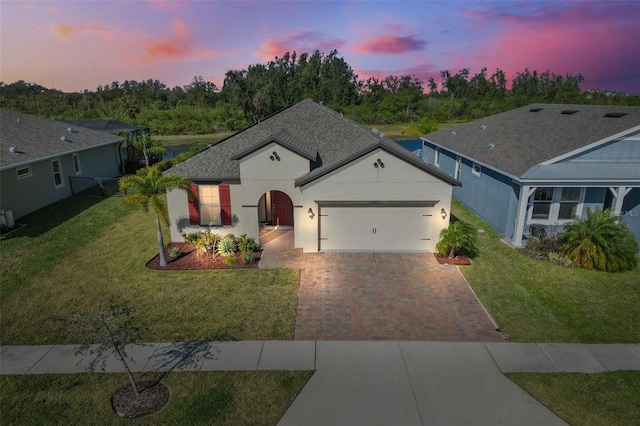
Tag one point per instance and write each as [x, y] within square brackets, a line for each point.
[133, 158]
[540, 166]
[39, 156]
[340, 185]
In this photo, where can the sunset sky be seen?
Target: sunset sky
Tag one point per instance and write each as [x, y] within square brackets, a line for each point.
[78, 45]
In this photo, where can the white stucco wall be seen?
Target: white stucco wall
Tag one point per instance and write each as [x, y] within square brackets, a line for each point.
[357, 181]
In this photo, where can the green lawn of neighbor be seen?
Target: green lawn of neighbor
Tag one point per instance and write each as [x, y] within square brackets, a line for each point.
[536, 301]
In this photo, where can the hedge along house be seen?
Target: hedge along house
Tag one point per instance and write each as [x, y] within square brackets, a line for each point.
[39, 156]
[341, 186]
[543, 165]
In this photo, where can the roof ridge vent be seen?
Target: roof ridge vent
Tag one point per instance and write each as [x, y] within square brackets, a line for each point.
[453, 133]
[13, 149]
[491, 146]
[535, 110]
[71, 130]
[483, 127]
[381, 135]
[65, 139]
[569, 111]
[375, 131]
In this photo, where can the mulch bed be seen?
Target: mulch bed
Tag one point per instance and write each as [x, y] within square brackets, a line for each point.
[191, 261]
[457, 260]
[153, 396]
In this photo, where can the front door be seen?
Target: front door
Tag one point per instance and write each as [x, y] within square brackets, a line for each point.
[281, 209]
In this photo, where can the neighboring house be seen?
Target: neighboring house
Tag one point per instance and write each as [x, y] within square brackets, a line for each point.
[540, 166]
[38, 157]
[133, 158]
[340, 185]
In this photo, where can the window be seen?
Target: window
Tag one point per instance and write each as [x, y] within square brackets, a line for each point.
[436, 160]
[458, 168]
[557, 204]
[542, 201]
[209, 205]
[56, 168]
[23, 172]
[569, 202]
[76, 163]
[476, 169]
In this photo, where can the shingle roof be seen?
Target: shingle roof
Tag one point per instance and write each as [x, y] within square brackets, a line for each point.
[307, 128]
[109, 126]
[522, 138]
[36, 139]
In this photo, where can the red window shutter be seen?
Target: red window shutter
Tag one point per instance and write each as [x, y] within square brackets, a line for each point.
[194, 206]
[225, 204]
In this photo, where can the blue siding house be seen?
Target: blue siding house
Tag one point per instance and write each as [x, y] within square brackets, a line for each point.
[541, 166]
[39, 157]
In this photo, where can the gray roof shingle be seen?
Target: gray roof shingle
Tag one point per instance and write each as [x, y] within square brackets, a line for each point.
[37, 139]
[522, 139]
[307, 128]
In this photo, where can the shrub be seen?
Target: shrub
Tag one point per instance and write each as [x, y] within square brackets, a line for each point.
[458, 238]
[246, 244]
[600, 242]
[227, 246]
[175, 252]
[559, 259]
[230, 261]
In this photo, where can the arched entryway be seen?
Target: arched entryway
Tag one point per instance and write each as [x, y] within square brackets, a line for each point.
[275, 213]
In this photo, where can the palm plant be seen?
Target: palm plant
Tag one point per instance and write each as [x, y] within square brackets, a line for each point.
[146, 189]
[149, 147]
[599, 242]
[457, 238]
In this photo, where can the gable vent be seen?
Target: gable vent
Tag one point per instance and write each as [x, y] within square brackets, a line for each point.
[615, 114]
[535, 109]
[569, 111]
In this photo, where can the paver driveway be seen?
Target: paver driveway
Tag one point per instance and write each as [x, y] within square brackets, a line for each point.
[380, 296]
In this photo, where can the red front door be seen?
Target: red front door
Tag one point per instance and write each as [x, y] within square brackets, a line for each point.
[281, 209]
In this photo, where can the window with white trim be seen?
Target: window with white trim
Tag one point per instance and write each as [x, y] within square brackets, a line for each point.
[209, 205]
[23, 172]
[557, 204]
[542, 200]
[76, 164]
[458, 168]
[436, 159]
[476, 169]
[56, 169]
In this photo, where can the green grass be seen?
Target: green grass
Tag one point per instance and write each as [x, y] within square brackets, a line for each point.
[73, 265]
[586, 399]
[537, 301]
[211, 398]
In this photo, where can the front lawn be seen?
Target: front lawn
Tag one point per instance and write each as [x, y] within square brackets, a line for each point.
[536, 301]
[586, 399]
[206, 398]
[58, 267]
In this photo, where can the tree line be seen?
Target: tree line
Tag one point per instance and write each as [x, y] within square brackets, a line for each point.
[252, 94]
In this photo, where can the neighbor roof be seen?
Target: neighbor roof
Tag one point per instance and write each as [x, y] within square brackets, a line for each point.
[516, 140]
[111, 126]
[320, 134]
[36, 139]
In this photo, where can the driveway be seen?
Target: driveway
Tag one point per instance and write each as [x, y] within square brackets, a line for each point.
[380, 296]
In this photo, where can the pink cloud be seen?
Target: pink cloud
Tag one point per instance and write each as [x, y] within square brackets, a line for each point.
[299, 41]
[390, 45]
[545, 41]
[176, 45]
[69, 32]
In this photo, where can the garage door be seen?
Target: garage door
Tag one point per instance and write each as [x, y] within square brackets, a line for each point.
[375, 228]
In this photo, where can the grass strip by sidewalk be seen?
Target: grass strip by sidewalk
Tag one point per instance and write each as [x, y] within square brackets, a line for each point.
[536, 301]
[102, 252]
[586, 399]
[211, 398]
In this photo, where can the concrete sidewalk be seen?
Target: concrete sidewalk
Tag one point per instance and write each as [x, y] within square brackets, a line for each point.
[370, 382]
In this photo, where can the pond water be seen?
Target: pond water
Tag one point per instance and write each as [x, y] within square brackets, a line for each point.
[173, 151]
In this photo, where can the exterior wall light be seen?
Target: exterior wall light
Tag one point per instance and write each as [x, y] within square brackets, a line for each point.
[311, 213]
[443, 213]
[275, 156]
[380, 163]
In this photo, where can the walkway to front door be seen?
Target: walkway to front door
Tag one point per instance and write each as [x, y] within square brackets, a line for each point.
[380, 296]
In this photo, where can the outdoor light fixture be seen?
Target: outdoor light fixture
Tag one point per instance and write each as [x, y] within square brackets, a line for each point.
[443, 213]
[311, 213]
[275, 155]
[380, 163]
[375, 165]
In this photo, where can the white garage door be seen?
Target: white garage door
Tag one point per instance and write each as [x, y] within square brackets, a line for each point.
[375, 228]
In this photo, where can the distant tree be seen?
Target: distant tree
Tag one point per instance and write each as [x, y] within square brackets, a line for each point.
[600, 242]
[150, 147]
[146, 189]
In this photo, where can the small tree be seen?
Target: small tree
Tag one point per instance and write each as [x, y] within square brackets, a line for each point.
[149, 147]
[145, 189]
[599, 242]
[109, 332]
[458, 238]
